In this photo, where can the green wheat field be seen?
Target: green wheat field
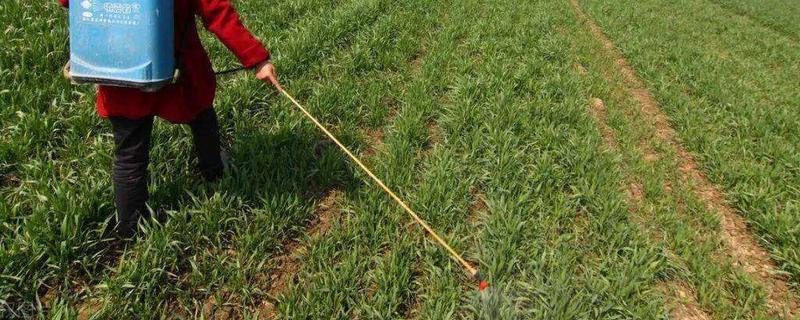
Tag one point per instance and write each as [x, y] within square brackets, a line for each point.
[612, 159]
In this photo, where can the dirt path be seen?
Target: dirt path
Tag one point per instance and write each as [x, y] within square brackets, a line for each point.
[739, 243]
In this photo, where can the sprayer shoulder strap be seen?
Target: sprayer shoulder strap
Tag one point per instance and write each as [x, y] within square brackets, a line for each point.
[184, 40]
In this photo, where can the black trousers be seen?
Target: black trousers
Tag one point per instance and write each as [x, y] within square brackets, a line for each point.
[132, 156]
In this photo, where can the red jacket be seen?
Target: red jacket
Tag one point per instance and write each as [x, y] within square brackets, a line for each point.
[181, 102]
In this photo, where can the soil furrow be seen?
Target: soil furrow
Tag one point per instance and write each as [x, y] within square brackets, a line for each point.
[288, 263]
[682, 299]
[740, 244]
[597, 109]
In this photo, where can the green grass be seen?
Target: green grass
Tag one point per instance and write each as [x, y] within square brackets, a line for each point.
[476, 100]
[780, 16]
[668, 211]
[729, 87]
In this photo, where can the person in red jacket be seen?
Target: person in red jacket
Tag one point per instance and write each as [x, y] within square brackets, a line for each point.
[189, 101]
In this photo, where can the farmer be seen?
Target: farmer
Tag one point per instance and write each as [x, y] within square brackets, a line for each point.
[189, 101]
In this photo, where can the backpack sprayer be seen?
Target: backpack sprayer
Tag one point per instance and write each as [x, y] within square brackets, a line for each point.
[131, 43]
[124, 43]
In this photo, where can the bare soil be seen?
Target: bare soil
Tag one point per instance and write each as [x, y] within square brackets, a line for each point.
[682, 301]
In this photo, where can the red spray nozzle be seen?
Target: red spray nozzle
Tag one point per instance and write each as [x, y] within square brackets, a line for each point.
[483, 285]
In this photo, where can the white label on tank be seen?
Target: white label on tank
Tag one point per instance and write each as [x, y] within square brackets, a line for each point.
[121, 8]
[110, 13]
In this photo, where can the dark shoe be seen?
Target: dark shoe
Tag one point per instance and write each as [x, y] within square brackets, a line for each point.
[213, 174]
[126, 230]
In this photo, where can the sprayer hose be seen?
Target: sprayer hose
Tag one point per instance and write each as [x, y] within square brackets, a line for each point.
[453, 253]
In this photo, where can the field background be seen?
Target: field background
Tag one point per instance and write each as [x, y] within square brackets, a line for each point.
[508, 125]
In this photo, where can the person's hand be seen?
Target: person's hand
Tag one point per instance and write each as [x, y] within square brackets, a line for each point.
[265, 71]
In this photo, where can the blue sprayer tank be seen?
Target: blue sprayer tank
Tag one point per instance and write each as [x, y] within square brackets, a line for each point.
[127, 43]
